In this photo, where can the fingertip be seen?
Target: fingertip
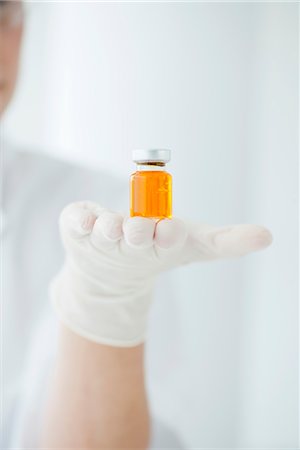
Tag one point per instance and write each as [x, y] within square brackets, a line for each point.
[77, 220]
[110, 225]
[170, 233]
[87, 221]
[262, 238]
[139, 231]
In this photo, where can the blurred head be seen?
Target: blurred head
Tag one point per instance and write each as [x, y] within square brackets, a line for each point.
[11, 27]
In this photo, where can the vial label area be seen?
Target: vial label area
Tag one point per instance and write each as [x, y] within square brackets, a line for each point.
[151, 194]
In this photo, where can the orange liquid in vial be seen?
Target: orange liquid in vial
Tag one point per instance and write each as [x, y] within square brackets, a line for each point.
[151, 194]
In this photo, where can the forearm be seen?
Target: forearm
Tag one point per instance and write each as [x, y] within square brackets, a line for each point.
[97, 397]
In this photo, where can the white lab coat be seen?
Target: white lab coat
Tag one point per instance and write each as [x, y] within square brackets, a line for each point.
[35, 188]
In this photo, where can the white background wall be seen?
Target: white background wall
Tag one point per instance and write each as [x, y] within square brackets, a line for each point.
[218, 84]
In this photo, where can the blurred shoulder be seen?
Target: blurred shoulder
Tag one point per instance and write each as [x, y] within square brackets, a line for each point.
[69, 181]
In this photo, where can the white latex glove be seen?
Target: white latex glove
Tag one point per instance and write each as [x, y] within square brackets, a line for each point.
[104, 290]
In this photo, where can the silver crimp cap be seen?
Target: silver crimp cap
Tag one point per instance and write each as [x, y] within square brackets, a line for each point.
[151, 155]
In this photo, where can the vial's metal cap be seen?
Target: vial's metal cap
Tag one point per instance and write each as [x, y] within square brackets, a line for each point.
[151, 155]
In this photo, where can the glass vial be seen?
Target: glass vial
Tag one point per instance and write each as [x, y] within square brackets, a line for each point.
[151, 185]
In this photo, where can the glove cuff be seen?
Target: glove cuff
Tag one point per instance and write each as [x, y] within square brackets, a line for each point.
[111, 320]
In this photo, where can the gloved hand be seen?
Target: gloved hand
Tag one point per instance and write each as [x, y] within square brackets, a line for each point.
[104, 289]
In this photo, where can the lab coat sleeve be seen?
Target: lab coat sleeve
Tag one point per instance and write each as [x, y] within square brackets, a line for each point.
[35, 384]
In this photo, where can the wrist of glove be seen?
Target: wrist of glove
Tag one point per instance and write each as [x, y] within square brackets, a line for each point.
[104, 289]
